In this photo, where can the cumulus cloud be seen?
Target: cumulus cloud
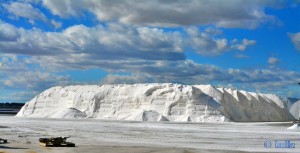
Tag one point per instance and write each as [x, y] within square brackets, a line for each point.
[125, 79]
[295, 38]
[273, 60]
[56, 24]
[65, 8]
[147, 54]
[189, 72]
[243, 45]
[209, 42]
[236, 13]
[115, 47]
[96, 43]
[21, 78]
[24, 73]
[131, 37]
[8, 32]
[31, 42]
[12, 64]
[25, 10]
[241, 56]
[34, 80]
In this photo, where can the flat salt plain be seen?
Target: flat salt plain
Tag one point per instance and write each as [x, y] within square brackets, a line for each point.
[105, 136]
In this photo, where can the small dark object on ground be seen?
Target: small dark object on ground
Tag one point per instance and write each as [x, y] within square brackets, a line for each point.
[3, 141]
[56, 142]
[296, 121]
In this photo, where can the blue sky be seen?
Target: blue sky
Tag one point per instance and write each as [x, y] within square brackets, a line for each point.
[251, 45]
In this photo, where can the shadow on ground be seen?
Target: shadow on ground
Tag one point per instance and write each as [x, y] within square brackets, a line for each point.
[5, 147]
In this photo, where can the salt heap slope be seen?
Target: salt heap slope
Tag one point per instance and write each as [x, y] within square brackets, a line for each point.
[294, 107]
[156, 102]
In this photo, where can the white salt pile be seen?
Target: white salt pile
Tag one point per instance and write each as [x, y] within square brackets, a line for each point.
[296, 126]
[156, 102]
[69, 113]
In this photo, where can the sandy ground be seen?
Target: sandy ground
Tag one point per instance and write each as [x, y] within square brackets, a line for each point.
[93, 136]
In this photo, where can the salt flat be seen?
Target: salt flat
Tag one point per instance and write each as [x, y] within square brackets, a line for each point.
[92, 135]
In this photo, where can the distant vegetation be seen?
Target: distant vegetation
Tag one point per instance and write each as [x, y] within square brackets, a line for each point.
[11, 105]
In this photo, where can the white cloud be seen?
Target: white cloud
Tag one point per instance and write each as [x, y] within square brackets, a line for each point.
[243, 45]
[209, 42]
[25, 10]
[125, 79]
[56, 24]
[189, 72]
[241, 56]
[8, 32]
[148, 54]
[134, 41]
[235, 13]
[12, 64]
[26, 73]
[113, 42]
[66, 7]
[34, 80]
[21, 78]
[295, 37]
[81, 47]
[273, 60]
[21, 72]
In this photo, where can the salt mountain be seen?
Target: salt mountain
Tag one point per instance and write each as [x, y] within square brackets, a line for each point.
[156, 102]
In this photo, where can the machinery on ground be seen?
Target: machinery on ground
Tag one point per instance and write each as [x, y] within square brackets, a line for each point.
[3, 141]
[56, 142]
